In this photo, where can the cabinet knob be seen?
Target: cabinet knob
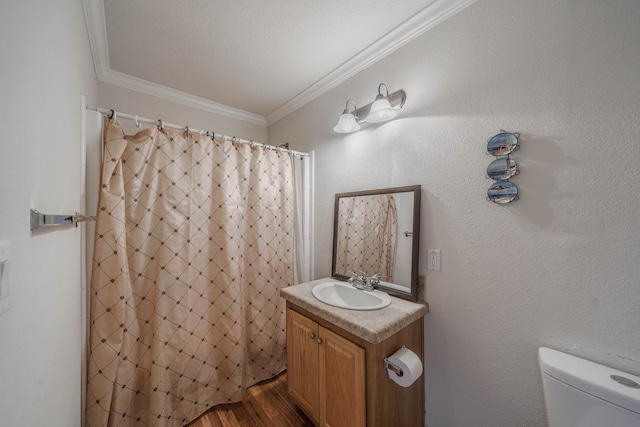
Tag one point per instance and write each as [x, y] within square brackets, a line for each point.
[312, 335]
[319, 341]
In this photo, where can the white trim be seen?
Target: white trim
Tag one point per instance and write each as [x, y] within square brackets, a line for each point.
[312, 207]
[427, 18]
[97, 32]
[145, 86]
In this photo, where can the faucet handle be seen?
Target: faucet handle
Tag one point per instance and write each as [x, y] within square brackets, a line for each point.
[375, 279]
[353, 279]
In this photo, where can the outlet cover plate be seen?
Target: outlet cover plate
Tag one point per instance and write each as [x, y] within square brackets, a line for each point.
[433, 259]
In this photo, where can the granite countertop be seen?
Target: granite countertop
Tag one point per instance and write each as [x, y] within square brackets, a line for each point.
[374, 326]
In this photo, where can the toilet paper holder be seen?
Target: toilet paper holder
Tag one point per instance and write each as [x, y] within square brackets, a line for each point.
[387, 364]
[390, 365]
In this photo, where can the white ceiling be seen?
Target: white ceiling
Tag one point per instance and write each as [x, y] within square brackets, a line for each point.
[255, 60]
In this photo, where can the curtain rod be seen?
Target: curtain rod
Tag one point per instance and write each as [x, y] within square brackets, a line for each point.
[116, 114]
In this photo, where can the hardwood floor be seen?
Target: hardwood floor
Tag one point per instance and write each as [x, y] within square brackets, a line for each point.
[265, 405]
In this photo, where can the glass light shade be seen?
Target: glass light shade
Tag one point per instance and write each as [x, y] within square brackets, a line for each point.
[346, 123]
[381, 111]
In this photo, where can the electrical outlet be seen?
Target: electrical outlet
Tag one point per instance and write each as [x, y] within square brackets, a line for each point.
[433, 259]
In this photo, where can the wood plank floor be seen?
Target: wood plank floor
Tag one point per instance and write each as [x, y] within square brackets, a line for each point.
[265, 405]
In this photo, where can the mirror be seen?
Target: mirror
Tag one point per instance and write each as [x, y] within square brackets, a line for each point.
[378, 231]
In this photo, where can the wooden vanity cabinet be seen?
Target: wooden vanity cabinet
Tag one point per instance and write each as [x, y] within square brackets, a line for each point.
[338, 378]
[303, 359]
[325, 373]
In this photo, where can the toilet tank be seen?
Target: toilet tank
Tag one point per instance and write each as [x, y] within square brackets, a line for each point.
[579, 393]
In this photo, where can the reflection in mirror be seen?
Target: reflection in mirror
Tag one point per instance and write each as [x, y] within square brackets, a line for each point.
[378, 231]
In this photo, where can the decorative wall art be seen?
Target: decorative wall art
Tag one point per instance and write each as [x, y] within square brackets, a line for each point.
[503, 167]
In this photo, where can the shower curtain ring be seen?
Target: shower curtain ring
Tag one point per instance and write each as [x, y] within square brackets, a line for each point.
[160, 124]
[137, 122]
[186, 130]
[113, 113]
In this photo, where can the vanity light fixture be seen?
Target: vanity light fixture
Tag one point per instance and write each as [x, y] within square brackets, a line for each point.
[383, 108]
[347, 121]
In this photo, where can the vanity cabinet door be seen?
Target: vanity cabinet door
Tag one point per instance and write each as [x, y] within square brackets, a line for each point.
[302, 362]
[338, 379]
[342, 382]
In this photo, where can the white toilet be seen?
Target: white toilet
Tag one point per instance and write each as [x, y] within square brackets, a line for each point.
[579, 393]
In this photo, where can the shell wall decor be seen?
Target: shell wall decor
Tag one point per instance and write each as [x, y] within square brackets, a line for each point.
[503, 167]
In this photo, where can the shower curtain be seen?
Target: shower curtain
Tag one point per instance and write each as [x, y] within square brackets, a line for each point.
[194, 239]
[367, 230]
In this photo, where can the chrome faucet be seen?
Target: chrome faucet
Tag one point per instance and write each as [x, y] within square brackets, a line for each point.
[359, 282]
[374, 280]
[363, 282]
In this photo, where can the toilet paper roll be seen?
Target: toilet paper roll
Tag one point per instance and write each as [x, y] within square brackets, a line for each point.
[410, 364]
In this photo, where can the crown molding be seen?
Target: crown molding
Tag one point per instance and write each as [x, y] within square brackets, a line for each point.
[427, 18]
[435, 13]
[97, 31]
[145, 86]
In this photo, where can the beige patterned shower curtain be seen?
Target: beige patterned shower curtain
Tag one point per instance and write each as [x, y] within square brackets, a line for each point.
[367, 233]
[194, 239]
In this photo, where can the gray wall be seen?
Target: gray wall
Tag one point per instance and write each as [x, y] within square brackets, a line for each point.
[46, 64]
[558, 268]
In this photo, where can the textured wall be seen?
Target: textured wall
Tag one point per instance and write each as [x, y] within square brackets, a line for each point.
[46, 64]
[557, 268]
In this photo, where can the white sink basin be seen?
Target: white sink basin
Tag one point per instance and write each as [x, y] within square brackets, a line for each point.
[343, 295]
